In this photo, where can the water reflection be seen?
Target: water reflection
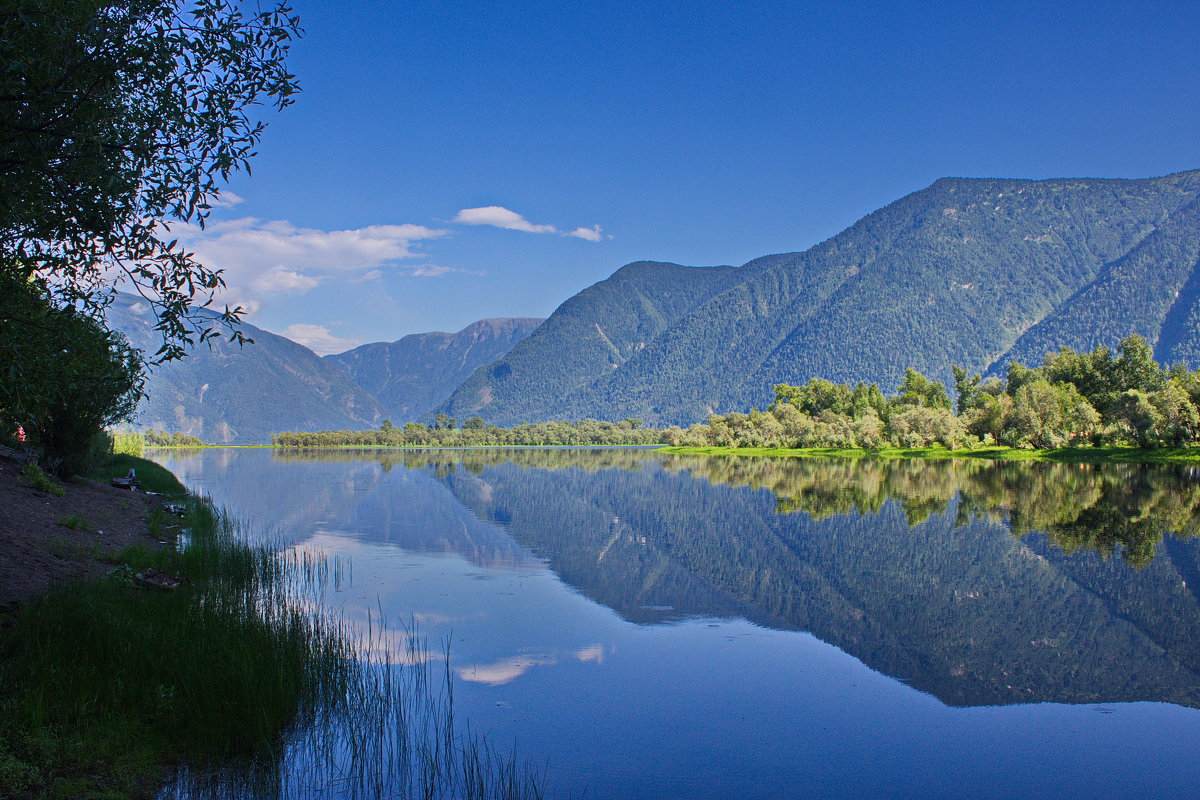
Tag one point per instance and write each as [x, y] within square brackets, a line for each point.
[981, 583]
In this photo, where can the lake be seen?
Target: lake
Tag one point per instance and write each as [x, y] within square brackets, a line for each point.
[645, 625]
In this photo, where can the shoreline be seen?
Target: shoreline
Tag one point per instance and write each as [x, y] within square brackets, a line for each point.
[1073, 455]
[1070, 455]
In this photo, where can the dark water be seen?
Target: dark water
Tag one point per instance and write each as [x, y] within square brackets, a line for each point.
[659, 626]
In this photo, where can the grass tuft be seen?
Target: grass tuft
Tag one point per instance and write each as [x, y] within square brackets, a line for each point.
[76, 522]
[37, 479]
[153, 477]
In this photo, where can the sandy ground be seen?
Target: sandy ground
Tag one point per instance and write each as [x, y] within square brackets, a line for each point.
[37, 552]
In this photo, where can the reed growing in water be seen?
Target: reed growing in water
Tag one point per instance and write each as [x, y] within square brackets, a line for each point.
[240, 681]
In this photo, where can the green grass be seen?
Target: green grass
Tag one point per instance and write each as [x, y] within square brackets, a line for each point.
[76, 522]
[102, 683]
[37, 479]
[153, 477]
[1125, 455]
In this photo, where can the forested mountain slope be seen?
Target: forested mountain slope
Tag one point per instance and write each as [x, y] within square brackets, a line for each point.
[412, 375]
[1151, 291]
[231, 394]
[952, 274]
[591, 334]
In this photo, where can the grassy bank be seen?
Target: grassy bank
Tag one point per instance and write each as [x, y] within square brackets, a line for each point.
[109, 689]
[153, 477]
[1116, 455]
[104, 683]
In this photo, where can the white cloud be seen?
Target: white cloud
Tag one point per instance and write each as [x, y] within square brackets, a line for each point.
[283, 280]
[318, 338]
[592, 234]
[501, 217]
[260, 258]
[228, 199]
[437, 270]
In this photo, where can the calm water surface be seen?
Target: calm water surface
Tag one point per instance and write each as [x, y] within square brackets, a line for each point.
[655, 626]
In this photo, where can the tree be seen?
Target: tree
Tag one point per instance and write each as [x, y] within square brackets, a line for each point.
[1178, 421]
[1135, 412]
[64, 376]
[1135, 367]
[119, 120]
[917, 390]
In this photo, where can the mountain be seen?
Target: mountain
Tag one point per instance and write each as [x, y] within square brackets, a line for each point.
[231, 394]
[412, 375]
[591, 334]
[963, 273]
[1153, 290]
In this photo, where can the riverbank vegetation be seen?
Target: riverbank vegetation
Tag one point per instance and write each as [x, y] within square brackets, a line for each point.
[476, 433]
[1073, 400]
[1102, 405]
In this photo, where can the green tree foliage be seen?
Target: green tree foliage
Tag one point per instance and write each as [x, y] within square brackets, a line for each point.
[64, 375]
[119, 119]
[917, 390]
[1073, 399]
[155, 438]
[475, 433]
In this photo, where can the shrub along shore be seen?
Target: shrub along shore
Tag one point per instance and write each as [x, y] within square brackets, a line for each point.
[1114, 455]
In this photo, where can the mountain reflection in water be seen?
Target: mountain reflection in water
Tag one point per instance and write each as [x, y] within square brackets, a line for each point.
[982, 583]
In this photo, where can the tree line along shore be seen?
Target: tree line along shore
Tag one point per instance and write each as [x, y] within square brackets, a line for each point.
[1104, 402]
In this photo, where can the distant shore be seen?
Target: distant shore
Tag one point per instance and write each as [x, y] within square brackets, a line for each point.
[1083, 455]
[1114, 455]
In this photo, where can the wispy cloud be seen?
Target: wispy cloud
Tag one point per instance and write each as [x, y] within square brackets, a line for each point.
[318, 338]
[262, 257]
[437, 270]
[501, 217]
[228, 199]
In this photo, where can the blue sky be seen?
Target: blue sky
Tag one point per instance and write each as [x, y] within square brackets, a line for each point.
[442, 155]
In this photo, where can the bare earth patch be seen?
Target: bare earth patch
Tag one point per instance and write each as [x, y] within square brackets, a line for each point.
[37, 551]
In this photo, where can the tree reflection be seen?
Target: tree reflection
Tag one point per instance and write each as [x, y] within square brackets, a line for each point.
[1110, 508]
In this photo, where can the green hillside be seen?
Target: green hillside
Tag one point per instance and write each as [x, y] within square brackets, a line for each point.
[1152, 291]
[952, 274]
[412, 375]
[591, 334]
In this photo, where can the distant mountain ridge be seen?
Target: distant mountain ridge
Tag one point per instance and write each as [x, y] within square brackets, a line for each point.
[237, 395]
[411, 376]
[969, 272]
